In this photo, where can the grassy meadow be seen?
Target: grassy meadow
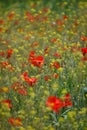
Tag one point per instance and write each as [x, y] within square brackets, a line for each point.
[43, 65]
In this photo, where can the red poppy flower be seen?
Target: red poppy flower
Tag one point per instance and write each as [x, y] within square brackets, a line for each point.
[54, 103]
[65, 17]
[44, 19]
[84, 51]
[4, 64]
[35, 44]
[37, 61]
[45, 10]
[9, 53]
[59, 22]
[15, 121]
[25, 74]
[20, 88]
[23, 92]
[47, 78]
[32, 54]
[68, 101]
[84, 59]
[29, 16]
[55, 75]
[56, 65]
[2, 54]
[16, 22]
[1, 21]
[67, 96]
[30, 81]
[8, 102]
[57, 55]
[11, 15]
[53, 40]
[83, 38]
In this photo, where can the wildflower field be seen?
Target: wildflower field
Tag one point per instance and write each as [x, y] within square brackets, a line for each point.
[43, 65]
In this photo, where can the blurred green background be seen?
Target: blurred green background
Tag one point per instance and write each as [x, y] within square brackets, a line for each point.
[7, 3]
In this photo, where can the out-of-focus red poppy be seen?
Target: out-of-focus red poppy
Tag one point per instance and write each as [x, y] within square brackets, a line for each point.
[56, 54]
[54, 103]
[4, 64]
[56, 65]
[20, 88]
[67, 100]
[33, 5]
[38, 17]
[45, 10]
[29, 16]
[67, 96]
[11, 15]
[84, 59]
[83, 38]
[9, 53]
[16, 22]
[65, 17]
[2, 54]
[15, 121]
[32, 54]
[53, 40]
[44, 19]
[25, 74]
[31, 81]
[55, 75]
[47, 78]
[35, 44]
[1, 21]
[84, 51]
[35, 60]
[59, 22]
[26, 38]
[23, 91]
[7, 102]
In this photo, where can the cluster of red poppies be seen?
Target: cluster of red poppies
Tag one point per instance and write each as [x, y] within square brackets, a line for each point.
[56, 104]
[36, 60]
[20, 88]
[8, 54]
